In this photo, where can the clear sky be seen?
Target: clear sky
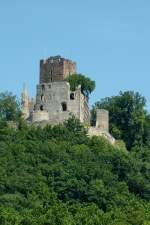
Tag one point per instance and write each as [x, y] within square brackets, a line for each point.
[109, 40]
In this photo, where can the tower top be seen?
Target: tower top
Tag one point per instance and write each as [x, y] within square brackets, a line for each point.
[56, 68]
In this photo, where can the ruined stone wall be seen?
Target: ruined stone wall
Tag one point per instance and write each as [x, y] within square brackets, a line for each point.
[25, 103]
[74, 103]
[54, 94]
[102, 126]
[57, 99]
[56, 69]
[86, 111]
[95, 131]
[50, 97]
[55, 102]
[102, 119]
[39, 116]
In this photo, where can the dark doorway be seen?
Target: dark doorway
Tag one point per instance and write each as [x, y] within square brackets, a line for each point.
[41, 108]
[64, 106]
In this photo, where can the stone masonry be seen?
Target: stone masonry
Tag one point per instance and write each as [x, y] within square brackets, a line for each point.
[102, 119]
[55, 102]
[60, 102]
[102, 126]
[56, 69]
[25, 102]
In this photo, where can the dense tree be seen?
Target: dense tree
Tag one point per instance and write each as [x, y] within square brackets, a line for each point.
[9, 107]
[51, 176]
[87, 85]
[127, 116]
[58, 175]
[146, 135]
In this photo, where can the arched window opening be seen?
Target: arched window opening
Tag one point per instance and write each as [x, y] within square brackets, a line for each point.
[41, 108]
[64, 106]
[72, 97]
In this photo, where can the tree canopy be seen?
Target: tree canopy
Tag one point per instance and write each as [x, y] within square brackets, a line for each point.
[128, 118]
[9, 107]
[87, 85]
[58, 175]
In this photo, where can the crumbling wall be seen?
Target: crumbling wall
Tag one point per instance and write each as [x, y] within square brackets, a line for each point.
[60, 102]
[102, 119]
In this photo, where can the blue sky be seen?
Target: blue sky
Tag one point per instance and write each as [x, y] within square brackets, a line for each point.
[109, 40]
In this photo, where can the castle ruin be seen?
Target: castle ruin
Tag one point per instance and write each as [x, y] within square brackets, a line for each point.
[56, 69]
[55, 102]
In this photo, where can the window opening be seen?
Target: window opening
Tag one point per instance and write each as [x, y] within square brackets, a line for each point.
[41, 108]
[64, 106]
[72, 97]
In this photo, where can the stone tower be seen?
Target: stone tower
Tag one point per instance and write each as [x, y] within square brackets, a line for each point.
[55, 69]
[55, 102]
[102, 120]
[102, 126]
[25, 102]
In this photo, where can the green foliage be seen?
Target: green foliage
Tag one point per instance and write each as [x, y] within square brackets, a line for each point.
[146, 135]
[9, 107]
[87, 85]
[127, 117]
[121, 145]
[58, 176]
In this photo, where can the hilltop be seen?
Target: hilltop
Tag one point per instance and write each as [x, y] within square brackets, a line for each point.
[58, 175]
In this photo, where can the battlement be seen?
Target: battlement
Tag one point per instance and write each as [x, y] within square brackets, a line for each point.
[56, 68]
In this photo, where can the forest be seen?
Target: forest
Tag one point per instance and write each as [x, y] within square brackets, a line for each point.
[59, 176]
